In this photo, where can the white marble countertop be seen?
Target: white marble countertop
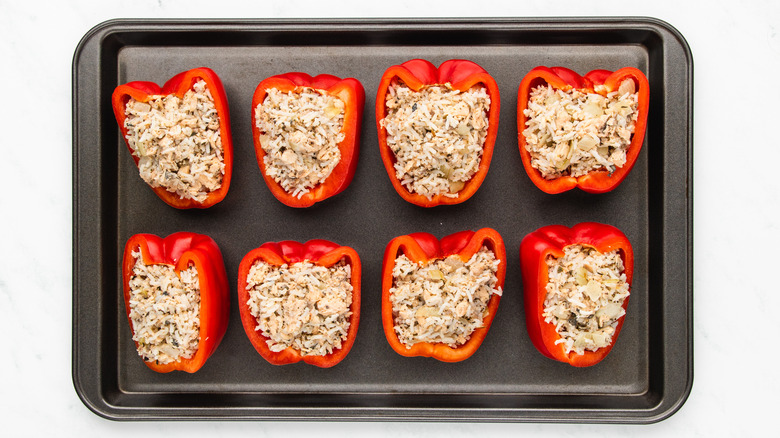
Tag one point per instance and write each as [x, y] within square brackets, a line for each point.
[736, 51]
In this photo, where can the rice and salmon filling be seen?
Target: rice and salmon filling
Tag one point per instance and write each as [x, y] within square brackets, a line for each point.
[573, 133]
[443, 301]
[437, 135]
[301, 132]
[178, 142]
[585, 296]
[165, 311]
[301, 305]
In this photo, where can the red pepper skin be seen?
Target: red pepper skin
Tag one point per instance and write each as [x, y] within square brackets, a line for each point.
[143, 91]
[596, 81]
[351, 92]
[417, 74]
[424, 247]
[181, 250]
[319, 252]
[551, 241]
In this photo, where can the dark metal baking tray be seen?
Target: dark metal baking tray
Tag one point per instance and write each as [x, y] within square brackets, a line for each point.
[646, 377]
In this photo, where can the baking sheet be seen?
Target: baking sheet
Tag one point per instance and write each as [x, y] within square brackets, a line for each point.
[646, 377]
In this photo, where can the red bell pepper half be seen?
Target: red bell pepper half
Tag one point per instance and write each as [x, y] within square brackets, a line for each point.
[596, 81]
[350, 91]
[550, 241]
[178, 85]
[321, 253]
[181, 250]
[424, 248]
[418, 74]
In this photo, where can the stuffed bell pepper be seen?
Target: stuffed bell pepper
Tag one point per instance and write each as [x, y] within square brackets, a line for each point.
[300, 302]
[179, 136]
[176, 297]
[581, 131]
[576, 285]
[306, 132]
[437, 128]
[440, 297]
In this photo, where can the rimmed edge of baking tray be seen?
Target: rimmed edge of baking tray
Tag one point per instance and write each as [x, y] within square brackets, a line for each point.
[661, 402]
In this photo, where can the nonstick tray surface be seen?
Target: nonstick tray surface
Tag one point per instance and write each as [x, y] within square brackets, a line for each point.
[646, 377]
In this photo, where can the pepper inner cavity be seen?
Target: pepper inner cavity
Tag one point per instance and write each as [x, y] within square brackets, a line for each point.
[164, 310]
[573, 132]
[301, 305]
[300, 133]
[178, 142]
[442, 301]
[437, 135]
[585, 295]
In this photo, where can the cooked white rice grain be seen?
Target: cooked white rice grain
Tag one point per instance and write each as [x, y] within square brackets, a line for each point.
[574, 133]
[300, 134]
[301, 305]
[165, 311]
[443, 301]
[177, 141]
[437, 135]
[585, 296]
